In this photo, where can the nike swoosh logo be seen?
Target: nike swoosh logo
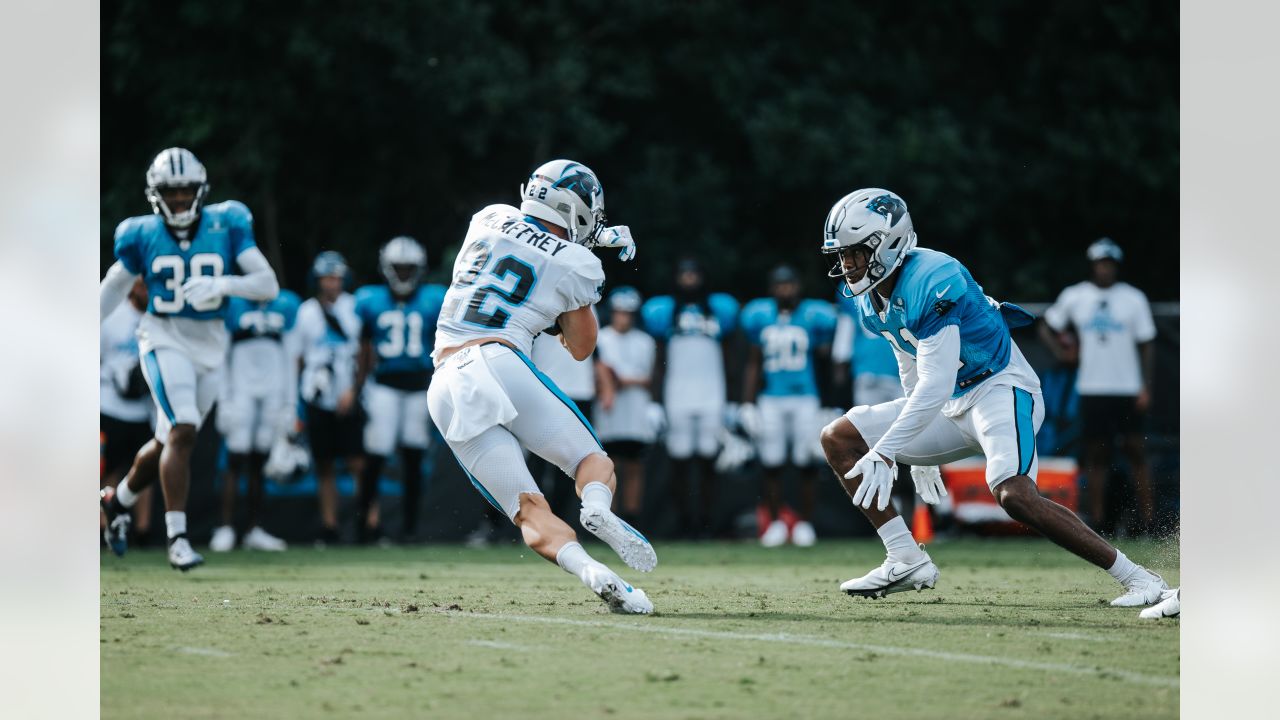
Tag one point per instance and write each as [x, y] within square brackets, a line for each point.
[908, 571]
[943, 291]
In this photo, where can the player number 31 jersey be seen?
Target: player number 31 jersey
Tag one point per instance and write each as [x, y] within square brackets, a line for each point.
[512, 279]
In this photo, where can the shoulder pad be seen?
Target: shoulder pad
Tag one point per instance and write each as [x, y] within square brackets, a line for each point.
[725, 308]
[233, 212]
[656, 313]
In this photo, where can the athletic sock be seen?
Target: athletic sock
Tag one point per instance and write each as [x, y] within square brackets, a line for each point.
[574, 559]
[175, 524]
[125, 496]
[899, 542]
[597, 495]
[1123, 568]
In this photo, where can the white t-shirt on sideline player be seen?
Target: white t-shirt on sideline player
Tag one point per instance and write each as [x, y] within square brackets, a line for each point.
[1110, 322]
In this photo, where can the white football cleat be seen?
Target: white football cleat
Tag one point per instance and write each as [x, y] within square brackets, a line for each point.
[182, 556]
[617, 594]
[774, 535]
[1142, 588]
[634, 548]
[802, 535]
[1169, 607]
[224, 538]
[259, 539]
[892, 577]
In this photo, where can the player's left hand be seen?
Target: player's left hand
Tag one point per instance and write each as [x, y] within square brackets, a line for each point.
[877, 479]
[928, 480]
[1143, 402]
[618, 236]
[203, 289]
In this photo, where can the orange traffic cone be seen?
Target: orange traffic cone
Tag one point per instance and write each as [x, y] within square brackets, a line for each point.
[922, 524]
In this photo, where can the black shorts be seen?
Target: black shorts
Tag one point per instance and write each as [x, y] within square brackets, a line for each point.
[332, 436]
[120, 442]
[625, 449]
[1102, 417]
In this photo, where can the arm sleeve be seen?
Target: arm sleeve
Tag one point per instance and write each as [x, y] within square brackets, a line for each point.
[1144, 329]
[937, 360]
[906, 370]
[1057, 315]
[114, 289]
[257, 281]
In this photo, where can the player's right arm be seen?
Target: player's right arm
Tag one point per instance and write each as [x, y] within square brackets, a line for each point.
[578, 330]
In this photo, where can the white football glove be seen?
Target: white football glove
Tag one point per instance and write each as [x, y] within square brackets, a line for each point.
[618, 236]
[877, 479]
[203, 290]
[928, 480]
[735, 451]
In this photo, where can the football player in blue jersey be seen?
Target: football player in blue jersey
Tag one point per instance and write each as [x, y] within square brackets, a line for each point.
[969, 390]
[790, 337]
[258, 405]
[692, 327]
[398, 327]
[192, 257]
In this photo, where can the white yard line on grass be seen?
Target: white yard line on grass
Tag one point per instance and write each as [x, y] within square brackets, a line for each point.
[814, 641]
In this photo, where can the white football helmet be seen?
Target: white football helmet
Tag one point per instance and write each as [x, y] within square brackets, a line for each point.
[403, 263]
[568, 194]
[876, 221]
[177, 167]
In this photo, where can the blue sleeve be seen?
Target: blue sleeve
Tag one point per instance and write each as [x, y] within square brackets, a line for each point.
[821, 319]
[289, 308]
[657, 313]
[753, 319]
[434, 300]
[232, 316]
[936, 302]
[128, 246]
[725, 308]
[364, 309]
[239, 226]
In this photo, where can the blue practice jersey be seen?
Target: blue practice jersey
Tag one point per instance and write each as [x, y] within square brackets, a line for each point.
[788, 341]
[715, 319]
[933, 291]
[871, 353]
[402, 332]
[248, 319]
[145, 247]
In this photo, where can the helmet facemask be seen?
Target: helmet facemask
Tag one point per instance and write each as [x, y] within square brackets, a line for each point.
[177, 168]
[872, 269]
[403, 263]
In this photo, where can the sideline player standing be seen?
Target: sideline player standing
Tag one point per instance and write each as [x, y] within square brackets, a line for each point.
[124, 411]
[692, 328]
[789, 336]
[397, 325]
[520, 272]
[969, 390]
[327, 338]
[186, 252]
[258, 405]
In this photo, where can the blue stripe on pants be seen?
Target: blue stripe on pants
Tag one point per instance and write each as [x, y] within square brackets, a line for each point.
[478, 486]
[153, 369]
[560, 394]
[1023, 410]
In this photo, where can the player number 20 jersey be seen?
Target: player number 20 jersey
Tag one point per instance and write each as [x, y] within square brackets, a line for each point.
[512, 279]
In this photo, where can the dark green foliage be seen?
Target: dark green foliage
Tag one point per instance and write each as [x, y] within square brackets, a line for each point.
[1017, 132]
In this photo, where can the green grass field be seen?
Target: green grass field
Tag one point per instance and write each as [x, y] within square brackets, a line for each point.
[1016, 629]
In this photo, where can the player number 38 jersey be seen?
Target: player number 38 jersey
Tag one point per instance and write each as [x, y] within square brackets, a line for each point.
[512, 279]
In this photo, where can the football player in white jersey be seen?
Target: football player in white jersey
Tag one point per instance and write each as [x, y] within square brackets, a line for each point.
[521, 272]
[125, 420]
[969, 390]
[192, 257]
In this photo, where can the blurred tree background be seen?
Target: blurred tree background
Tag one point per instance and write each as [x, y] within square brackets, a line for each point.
[1017, 132]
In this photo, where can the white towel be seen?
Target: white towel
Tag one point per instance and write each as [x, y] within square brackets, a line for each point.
[478, 400]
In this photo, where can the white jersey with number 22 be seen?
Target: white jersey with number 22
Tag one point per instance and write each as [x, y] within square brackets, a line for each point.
[512, 279]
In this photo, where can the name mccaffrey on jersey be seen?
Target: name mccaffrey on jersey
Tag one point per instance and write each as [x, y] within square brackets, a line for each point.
[518, 229]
